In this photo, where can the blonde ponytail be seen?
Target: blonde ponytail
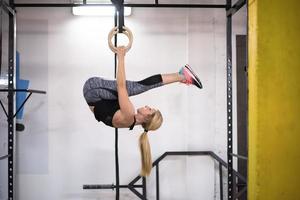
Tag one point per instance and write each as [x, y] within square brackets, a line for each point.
[145, 149]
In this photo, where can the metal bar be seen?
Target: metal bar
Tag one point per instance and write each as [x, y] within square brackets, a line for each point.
[180, 153]
[203, 153]
[135, 186]
[136, 192]
[35, 91]
[117, 165]
[187, 153]
[121, 19]
[156, 2]
[159, 159]
[217, 158]
[236, 7]
[3, 108]
[7, 8]
[221, 181]
[176, 5]
[116, 130]
[20, 90]
[239, 156]
[229, 101]
[241, 177]
[197, 153]
[131, 185]
[1, 14]
[235, 173]
[236, 196]
[94, 187]
[125, 5]
[23, 90]
[119, 4]
[22, 104]
[157, 181]
[144, 188]
[11, 123]
[115, 42]
[193, 153]
[107, 186]
[135, 180]
[4, 157]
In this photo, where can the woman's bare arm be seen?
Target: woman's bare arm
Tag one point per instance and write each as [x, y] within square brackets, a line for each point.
[125, 115]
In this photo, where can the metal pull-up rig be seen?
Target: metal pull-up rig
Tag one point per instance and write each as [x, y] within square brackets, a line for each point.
[23, 103]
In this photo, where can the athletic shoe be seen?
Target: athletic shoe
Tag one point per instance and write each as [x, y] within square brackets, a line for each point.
[190, 76]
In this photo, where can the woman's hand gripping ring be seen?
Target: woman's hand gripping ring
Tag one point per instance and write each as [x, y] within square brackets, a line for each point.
[115, 31]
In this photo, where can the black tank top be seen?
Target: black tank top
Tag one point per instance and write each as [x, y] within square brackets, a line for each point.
[104, 110]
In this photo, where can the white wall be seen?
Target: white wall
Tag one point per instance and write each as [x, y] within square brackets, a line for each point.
[64, 147]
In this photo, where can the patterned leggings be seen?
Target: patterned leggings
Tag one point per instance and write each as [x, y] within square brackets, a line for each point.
[96, 88]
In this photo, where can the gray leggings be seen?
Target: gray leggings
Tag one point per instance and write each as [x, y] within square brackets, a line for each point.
[96, 88]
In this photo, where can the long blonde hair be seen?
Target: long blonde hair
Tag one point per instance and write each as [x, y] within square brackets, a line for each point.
[146, 160]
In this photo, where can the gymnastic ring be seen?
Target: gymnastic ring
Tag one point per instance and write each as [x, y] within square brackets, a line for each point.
[115, 31]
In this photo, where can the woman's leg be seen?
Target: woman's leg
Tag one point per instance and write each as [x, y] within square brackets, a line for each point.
[138, 87]
[172, 78]
[151, 82]
[185, 75]
[96, 89]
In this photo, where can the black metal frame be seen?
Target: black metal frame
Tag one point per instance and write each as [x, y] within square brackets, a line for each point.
[229, 102]
[9, 9]
[11, 135]
[4, 157]
[230, 11]
[132, 186]
[23, 103]
[156, 5]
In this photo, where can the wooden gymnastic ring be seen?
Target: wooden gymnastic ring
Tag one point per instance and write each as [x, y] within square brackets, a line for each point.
[115, 31]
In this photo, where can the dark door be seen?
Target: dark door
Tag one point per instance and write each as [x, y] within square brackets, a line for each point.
[242, 107]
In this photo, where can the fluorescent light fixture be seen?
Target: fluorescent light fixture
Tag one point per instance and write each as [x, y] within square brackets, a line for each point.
[98, 11]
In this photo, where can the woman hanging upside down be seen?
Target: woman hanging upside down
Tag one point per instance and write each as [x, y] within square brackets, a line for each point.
[110, 103]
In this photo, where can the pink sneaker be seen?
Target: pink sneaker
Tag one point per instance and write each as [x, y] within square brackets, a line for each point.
[190, 76]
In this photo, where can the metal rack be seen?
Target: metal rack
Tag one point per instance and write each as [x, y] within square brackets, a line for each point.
[230, 11]
[11, 133]
[132, 186]
[10, 95]
[10, 119]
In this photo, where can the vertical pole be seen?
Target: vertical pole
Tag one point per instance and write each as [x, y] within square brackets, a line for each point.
[1, 13]
[116, 130]
[10, 120]
[117, 165]
[157, 181]
[229, 102]
[221, 181]
[144, 189]
[121, 16]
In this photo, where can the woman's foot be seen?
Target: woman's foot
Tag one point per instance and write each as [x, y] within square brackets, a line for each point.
[190, 76]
